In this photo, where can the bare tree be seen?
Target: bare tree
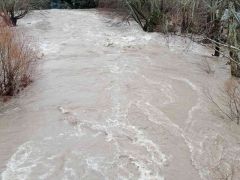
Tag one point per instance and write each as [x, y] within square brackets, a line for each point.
[13, 10]
[233, 40]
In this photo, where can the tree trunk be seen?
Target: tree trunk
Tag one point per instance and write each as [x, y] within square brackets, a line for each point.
[184, 21]
[217, 48]
[13, 21]
[216, 36]
[235, 65]
[233, 41]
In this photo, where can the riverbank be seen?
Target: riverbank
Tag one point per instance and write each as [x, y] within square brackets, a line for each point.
[112, 101]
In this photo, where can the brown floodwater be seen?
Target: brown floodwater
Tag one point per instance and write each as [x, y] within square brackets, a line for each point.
[112, 102]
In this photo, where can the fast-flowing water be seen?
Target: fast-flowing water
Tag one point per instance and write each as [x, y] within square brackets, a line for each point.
[112, 102]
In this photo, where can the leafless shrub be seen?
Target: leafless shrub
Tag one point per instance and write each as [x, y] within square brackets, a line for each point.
[16, 58]
[229, 104]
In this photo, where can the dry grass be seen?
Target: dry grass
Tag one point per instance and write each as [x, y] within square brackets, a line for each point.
[16, 61]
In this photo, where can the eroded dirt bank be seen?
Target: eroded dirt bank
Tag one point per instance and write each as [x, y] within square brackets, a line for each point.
[113, 102]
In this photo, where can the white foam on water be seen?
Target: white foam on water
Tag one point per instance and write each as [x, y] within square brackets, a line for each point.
[156, 155]
[193, 86]
[48, 48]
[204, 173]
[123, 135]
[166, 89]
[44, 46]
[145, 172]
[48, 138]
[129, 38]
[69, 173]
[95, 163]
[16, 168]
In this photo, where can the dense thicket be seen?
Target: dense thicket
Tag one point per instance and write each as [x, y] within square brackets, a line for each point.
[218, 21]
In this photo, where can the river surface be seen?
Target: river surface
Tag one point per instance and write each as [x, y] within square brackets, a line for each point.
[109, 101]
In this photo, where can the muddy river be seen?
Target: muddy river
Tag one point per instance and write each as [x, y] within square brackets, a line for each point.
[109, 101]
